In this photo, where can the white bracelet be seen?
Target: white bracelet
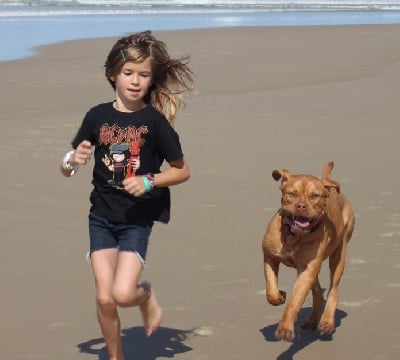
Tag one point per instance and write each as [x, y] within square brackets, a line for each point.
[67, 163]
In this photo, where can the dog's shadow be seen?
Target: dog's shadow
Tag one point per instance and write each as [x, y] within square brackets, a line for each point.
[165, 343]
[303, 337]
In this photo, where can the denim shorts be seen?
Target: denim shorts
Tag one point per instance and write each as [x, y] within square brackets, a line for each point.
[105, 234]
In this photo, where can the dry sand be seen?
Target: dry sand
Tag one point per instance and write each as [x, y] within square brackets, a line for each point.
[267, 98]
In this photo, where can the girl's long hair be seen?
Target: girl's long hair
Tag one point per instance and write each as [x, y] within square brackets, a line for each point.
[171, 77]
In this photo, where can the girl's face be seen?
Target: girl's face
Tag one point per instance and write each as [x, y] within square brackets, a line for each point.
[133, 82]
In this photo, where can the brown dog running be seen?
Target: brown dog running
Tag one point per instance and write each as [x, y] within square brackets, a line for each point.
[315, 222]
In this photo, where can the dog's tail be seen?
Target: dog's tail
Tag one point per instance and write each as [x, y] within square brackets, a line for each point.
[326, 177]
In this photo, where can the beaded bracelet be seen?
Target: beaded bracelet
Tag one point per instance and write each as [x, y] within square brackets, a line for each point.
[150, 177]
[147, 186]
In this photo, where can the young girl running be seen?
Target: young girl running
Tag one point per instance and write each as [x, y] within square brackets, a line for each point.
[131, 137]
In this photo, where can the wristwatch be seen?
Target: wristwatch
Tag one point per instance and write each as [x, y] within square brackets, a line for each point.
[67, 162]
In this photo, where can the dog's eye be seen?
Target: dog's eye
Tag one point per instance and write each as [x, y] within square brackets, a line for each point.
[315, 196]
[290, 194]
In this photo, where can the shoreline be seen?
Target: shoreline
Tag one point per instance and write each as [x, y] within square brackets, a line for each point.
[267, 98]
[19, 37]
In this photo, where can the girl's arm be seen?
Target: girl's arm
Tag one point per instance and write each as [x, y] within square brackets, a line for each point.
[74, 158]
[177, 173]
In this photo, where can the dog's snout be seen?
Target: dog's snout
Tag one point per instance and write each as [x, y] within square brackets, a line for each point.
[301, 206]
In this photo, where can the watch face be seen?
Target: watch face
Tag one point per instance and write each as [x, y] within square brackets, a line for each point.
[67, 157]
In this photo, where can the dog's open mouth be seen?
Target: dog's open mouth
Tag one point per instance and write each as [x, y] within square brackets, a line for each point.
[300, 224]
[301, 221]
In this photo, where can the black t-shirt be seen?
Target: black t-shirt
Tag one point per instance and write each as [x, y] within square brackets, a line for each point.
[128, 144]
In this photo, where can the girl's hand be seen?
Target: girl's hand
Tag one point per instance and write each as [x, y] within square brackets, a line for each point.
[82, 154]
[134, 185]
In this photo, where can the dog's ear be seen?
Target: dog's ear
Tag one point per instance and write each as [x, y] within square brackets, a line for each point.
[326, 172]
[329, 184]
[284, 174]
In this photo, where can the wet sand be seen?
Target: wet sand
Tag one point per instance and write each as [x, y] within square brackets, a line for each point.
[267, 98]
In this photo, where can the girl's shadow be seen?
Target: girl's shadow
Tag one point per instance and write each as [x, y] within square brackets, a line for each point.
[303, 337]
[165, 343]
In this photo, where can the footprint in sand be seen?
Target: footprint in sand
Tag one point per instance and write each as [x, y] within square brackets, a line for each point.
[210, 267]
[393, 285]
[359, 303]
[57, 325]
[390, 234]
[209, 205]
[202, 331]
[356, 261]
[386, 193]
[371, 208]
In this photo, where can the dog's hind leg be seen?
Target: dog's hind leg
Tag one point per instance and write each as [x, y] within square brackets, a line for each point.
[317, 303]
[336, 266]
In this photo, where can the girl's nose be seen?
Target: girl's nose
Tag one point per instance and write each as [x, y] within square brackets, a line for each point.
[135, 79]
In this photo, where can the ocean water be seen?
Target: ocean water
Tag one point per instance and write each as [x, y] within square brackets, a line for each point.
[62, 7]
[26, 24]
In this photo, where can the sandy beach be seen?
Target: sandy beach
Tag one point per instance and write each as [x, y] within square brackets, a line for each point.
[267, 98]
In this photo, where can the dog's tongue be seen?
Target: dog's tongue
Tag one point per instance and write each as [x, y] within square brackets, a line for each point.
[301, 222]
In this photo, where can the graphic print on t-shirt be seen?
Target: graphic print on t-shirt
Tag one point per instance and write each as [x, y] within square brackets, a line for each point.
[123, 159]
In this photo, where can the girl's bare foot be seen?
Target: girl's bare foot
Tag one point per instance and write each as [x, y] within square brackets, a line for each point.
[151, 310]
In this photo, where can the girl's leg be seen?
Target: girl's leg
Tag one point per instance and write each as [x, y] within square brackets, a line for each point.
[128, 292]
[104, 264]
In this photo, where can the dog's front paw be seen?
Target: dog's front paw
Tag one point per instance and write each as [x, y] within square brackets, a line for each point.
[277, 299]
[285, 331]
